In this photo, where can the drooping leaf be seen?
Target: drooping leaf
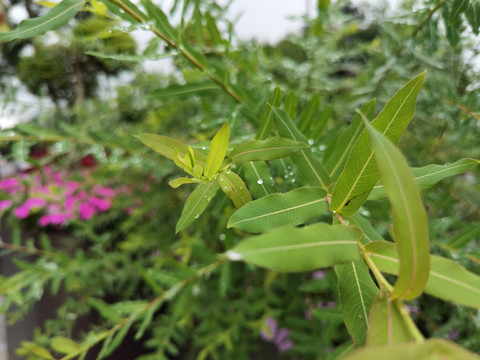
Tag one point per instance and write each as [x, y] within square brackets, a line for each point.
[448, 280]
[177, 91]
[259, 178]
[292, 208]
[234, 187]
[457, 8]
[410, 226]
[218, 150]
[268, 149]
[54, 19]
[266, 122]
[290, 249]
[433, 349]
[310, 168]
[196, 203]
[429, 175]
[356, 291]
[64, 345]
[465, 235]
[360, 174]
[337, 158]
[175, 183]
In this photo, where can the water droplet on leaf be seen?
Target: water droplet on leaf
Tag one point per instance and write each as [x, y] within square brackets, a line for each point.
[259, 181]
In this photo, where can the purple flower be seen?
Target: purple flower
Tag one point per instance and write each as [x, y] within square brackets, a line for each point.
[319, 274]
[4, 204]
[100, 204]
[269, 332]
[280, 337]
[284, 346]
[87, 211]
[9, 186]
[104, 191]
[453, 335]
[54, 219]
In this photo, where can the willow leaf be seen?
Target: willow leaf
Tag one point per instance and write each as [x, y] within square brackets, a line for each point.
[388, 324]
[429, 175]
[369, 232]
[448, 280]
[166, 146]
[357, 292]
[310, 168]
[259, 178]
[177, 91]
[196, 203]
[290, 249]
[218, 150]
[360, 174]
[266, 122]
[262, 150]
[410, 226]
[54, 19]
[292, 208]
[465, 235]
[234, 187]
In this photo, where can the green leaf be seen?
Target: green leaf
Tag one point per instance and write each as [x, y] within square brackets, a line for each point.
[369, 232]
[175, 183]
[169, 33]
[357, 292]
[292, 208]
[37, 350]
[54, 19]
[127, 57]
[320, 123]
[266, 122]
[64, 345]
[340, 149]
[410, 226]
[360, 174]
[290, 105]
[259, 178]
[429, 175]
[465, 235]
[218, 150]
[104, 310]
[387, 321]
[112, 5]
[310, 168]
[448, 280]
[196, 203]
[307, 117]
[269, 149]
[290, 249]
[457, 8]
[166, 146]
[433, 349]
[473, 16]
[234, 187]
[177, 91]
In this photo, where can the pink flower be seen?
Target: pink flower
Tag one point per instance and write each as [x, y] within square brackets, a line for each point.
[104, 191]
[23, 210]
[319, 274]
[9, 186]
[100, 204]
[54, 219]
[271, 329]
[87, 211]
[4, 204]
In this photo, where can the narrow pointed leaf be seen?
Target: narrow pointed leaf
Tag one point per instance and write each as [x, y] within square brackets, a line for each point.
[161, 21]
[64, 345]
[320, 123]
[429, 175]
[457, 8]
[259, 178]
[218, 150]
[465, 235]
[196, 203]
[266, 122]
[178, 91]
[448, 280]
[290, 249]
[409, 218]
[166, 146]
[290, 105]
[310, 168]
[356, 291]
[473, 16]
[54, 19]
[292, 208]
[132, 15]
[387, 323]
[308, 114]
[369, 232]
[234, 187]
[175, 183]
[360, 174]
[337, 158]
[262, 150]
[433, 349]
[128, 57]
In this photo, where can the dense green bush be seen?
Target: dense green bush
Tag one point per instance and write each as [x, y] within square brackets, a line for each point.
[158, 270]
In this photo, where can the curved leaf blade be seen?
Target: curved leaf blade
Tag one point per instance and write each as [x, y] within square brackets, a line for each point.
[262, 150]
[259, 178]
[448, 280]
[290, 249]
[177, 91]
[429, 175]
[357, 292]
[54, 19]
[196, 204]
[292, 208]
[360, 174]
[218, 150]
[234, 187]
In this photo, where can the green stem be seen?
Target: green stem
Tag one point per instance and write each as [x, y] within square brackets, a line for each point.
[417, 335]
[376, 272]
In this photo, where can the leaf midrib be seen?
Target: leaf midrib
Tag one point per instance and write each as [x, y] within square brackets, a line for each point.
[296, 247]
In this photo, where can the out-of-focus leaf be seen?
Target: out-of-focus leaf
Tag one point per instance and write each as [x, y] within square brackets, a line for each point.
[360, 174]
[54, 19]
[292, 208]
[448, 280]
[473, 16]
[465, 235]
[266, 122]
[234, 187]
[218, 150]
[196, 203]
[308, 114]
[104, 310]
[133, 15]
[262, 150]
[290, 249]
[357, 292]
[64, 345]
[127, 57]
[175, 91]
[429, 175]
[410, 226]
[259, 178]
[457, 8]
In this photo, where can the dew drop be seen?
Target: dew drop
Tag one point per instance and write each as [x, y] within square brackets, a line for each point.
[259, 181]
[310, 141]
[293, 181]
[322, 147]
[221, 179]
[222, 237]
[234, 166]
[234, 256]
[228, 171]
[225, 187]
[291, 173]
[197, 216]
[204, 148]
